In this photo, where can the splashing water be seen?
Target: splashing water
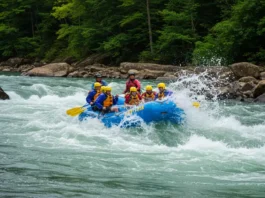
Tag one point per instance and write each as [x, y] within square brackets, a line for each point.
[218, 152]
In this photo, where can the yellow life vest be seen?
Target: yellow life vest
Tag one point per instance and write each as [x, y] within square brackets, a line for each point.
[149, 97]
[108, 101]
[161, 95]
[96, 95]
[134, 100]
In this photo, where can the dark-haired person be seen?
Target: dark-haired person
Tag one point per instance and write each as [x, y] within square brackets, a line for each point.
[132, 82]
[98, 78]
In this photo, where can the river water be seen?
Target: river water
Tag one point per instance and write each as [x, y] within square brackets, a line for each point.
[218, 152]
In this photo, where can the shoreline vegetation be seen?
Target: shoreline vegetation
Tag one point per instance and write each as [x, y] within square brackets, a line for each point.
[155, 38]
[242, 81]
[174, 32]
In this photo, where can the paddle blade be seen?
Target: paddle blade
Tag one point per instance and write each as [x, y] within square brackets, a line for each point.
[196, 104]
[75, 111]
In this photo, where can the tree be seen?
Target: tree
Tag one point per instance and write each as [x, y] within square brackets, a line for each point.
[236, 38]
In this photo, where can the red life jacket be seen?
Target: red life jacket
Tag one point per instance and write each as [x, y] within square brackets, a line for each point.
[130, 84]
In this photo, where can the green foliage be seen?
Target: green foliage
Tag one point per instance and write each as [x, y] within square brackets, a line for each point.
[239, 38]
[200, 31]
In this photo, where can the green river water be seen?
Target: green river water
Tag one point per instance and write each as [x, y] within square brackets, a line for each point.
[218, 152]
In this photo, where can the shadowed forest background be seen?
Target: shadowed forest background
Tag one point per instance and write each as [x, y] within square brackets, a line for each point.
[178, 32]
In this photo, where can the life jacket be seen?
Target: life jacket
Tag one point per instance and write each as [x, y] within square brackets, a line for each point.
[149, 97]
[134, 100]
[161, 95]
[108, 101]
[96, 95]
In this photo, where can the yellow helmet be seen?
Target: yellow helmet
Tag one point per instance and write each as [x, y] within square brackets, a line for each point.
[102, 89]
[97, 84]
[107, 88]
[133, 89]
[148, 88]
[161, 85]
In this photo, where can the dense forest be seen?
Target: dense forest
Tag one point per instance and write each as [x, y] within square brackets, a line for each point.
[198, 32]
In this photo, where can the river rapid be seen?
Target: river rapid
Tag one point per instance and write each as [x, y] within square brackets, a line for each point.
[218, 152]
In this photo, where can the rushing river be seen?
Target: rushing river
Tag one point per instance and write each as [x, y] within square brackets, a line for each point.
[218, 152]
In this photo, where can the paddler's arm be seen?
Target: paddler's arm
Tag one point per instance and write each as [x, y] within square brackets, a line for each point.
[99, 101]
[115, 99]
[90, 97]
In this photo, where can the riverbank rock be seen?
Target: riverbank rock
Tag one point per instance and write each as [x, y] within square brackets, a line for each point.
[213, 71]
[6, 69]
[262, 75]
[3, 95]
[259, 89]
[15, 62]
[25, 68]
[51, 70]
[167, 78]
[226, 92]
[261, 98]
[246, 69]
[152, 74]
[248, 79]
[149, 66]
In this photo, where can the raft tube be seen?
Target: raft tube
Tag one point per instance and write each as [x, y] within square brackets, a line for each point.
[155, 111]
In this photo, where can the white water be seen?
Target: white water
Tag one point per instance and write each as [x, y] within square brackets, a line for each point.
[220, 149]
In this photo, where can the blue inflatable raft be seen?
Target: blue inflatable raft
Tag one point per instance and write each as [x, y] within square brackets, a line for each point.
[156, 111]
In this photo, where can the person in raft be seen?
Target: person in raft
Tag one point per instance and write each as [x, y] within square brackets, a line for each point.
[149, 94]
[163, 92]
[98, 77]
[132, 82]
[93, 95]
[105, 101]
[132, 98]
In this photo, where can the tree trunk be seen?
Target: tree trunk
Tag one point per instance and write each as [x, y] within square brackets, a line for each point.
[32, 23]
[149, 26]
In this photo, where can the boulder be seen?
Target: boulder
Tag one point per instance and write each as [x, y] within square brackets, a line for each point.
[248, 79]
[7, 70]
[184, 73]
[15, 62]
[133, 70]
[96, 69]
[53, 69]
[259, 89]
[244, 69]
[226, 92]
[168, 78]
[3, 95]
[213, 71]
[247, 87]
[152, 74]
[262, 75]
[25, 68]
[150, 66]
[247, 94]
[261, 98]
[227, 76]
[74, 74]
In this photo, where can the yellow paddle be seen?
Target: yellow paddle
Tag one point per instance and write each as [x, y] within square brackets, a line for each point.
[196, 104]
[75, 111]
